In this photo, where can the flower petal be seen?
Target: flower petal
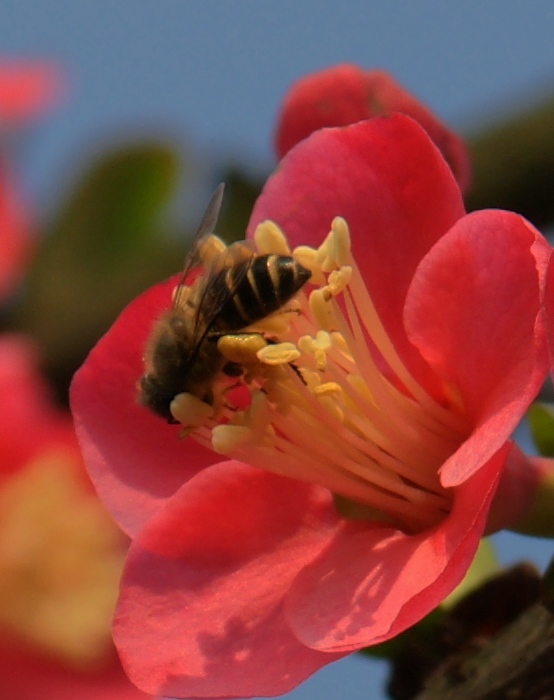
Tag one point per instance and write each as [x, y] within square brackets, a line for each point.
[200, 613]
[27, 88]
[346, 94]
[390, 183]
[371, 583]
[523, 501]
[549, 312]
[32, 425]
[135, 458]
[518, 492]
[26, 674]
[16, 240]
[472, 312]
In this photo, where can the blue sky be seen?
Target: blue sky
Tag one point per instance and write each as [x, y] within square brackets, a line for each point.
[212, 74]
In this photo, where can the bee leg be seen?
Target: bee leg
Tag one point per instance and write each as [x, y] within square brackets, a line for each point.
[298, 372]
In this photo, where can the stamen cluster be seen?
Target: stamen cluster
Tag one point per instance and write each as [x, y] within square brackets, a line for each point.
[331, 401]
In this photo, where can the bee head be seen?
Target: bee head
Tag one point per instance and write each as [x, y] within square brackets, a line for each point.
[153, 395]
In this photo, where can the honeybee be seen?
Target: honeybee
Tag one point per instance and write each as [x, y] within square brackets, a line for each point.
[237, 289]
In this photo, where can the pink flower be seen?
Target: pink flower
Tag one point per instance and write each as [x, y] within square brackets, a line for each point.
[549, 311]
[349, 504]
[60, 553]
[346, 94]
[27, 401]
[16, 244]
[26, 89]
[26, 674]
[16, 241]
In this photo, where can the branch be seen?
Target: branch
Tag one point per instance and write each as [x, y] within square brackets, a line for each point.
[517, 664]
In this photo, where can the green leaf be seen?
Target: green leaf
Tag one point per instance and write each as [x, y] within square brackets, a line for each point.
[541, 422]
[106, 245]
[483, 567]
[117, 204]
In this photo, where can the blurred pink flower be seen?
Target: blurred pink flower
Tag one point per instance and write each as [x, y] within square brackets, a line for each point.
[31, 422]
[27, 89]
[60, 552]
[16, 241]
[27, 674]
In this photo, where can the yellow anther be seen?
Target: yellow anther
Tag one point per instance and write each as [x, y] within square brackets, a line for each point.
[316, 347]
[339, 279]
[328, 388]
[322, 340]
[321, 309]
[306, 344]
[189, 410]
[279, 354]
[320, 358]
[324, 255]
[241, 348]
[340, 242]
[228, 438]
[211, 248]
[340, 343]
[239, 251]
[307, 257]
[270, 239]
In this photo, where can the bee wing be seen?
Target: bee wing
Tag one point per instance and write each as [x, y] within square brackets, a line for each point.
[211, 298]
[206, 228]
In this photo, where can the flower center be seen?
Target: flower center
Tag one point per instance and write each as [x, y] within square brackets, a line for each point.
[330, 400]
[60, 559]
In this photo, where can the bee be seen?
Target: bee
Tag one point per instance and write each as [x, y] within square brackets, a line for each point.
[237, 289]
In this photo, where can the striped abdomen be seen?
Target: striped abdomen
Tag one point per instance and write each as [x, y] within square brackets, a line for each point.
[256, 288]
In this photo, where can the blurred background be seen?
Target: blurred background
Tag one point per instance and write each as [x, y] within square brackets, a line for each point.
[152, 104]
